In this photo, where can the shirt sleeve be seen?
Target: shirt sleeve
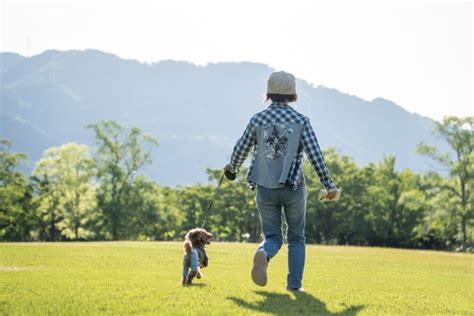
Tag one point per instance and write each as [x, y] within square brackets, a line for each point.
[243, 147]
[315, 156]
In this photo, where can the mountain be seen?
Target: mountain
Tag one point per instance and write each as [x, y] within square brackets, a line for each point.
[196, 112]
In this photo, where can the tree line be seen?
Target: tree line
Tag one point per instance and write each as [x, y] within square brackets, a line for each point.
[76, 194]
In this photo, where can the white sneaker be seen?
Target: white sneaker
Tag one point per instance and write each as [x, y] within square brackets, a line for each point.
[259, 270]
[300, 290]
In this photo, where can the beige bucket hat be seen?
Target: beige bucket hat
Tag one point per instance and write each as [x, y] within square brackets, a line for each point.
[281, 82]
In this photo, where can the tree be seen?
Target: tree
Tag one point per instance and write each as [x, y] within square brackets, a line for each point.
[384, 214]
[458, 133]
[66, 197]
[439, 228]
[154, 214]
[16, 218]
[234, 214]
[120, 153]
[193, 202]
[411, 207]
[379, 205]
[341, 222]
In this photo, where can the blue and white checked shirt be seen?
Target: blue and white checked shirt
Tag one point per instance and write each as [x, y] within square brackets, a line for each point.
[281, 112]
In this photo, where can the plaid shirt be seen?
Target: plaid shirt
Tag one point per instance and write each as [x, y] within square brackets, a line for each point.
[283, 113]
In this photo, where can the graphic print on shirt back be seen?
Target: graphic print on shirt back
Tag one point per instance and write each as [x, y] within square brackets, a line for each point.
[275, 137]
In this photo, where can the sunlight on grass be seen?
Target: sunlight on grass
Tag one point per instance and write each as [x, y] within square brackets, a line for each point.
[144, 277]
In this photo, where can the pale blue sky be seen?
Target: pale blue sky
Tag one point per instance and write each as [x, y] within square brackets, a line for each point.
[417, 54]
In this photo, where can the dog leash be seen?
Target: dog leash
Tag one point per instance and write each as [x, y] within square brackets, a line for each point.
[212, 201]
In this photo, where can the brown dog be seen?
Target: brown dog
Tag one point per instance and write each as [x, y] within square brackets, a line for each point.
[195, 257]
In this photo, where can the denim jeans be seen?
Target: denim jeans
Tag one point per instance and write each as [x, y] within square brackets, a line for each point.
[190, 263]
[270, 203]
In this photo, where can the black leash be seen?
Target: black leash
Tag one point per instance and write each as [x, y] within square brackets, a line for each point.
[212, 201]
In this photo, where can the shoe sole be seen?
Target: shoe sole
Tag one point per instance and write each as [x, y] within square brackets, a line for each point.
[259, 273]
[297, 290]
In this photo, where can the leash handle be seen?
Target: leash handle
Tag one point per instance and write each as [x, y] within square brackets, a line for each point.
[212, 201]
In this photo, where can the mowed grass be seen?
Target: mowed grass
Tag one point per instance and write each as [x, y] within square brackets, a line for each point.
[144, 278]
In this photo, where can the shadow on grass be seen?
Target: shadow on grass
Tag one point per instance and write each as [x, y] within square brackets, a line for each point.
[283, 304]
[194, 285]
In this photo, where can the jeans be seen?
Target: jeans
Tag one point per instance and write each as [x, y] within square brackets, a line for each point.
[270, 203]
[190, 263]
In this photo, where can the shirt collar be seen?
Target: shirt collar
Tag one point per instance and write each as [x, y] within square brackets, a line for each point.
[279, 105]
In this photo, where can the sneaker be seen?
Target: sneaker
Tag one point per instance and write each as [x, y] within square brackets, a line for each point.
[300, 290]
[259, 270]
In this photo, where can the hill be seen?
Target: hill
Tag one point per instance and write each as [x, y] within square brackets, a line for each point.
[196, 112]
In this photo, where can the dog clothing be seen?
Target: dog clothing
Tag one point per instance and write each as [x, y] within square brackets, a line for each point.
[203, 259]
[190, 261]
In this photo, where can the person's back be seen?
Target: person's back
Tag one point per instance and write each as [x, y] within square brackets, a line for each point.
[278, 137]
[282, 134]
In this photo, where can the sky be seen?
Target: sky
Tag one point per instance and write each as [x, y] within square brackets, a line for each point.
[415, 53]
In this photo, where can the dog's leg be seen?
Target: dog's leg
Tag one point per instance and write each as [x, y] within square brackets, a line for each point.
[199, 274]
[190, 277]
[194, 262]
[186, 266]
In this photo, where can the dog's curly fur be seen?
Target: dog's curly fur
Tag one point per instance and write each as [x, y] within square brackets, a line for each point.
[195, 238]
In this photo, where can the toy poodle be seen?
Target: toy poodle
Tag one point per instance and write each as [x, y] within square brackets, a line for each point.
[195, 257]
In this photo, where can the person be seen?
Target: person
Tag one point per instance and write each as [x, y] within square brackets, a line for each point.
[278, 136]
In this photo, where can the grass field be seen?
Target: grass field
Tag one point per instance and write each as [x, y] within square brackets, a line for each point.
[143, 277]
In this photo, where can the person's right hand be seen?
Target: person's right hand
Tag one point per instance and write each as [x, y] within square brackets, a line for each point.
[331, 194]
[228, 168]
[230, 173]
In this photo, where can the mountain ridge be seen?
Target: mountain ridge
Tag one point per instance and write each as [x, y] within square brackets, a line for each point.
[197, 112]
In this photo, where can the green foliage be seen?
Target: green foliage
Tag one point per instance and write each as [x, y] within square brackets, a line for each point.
[236, 217]
[16, 218]
[457, 207]
[73, 196]
[152, 215]
[66, 199]
[373, 209]
[121, 152]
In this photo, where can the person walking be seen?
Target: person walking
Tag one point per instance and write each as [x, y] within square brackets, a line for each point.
[278, 136]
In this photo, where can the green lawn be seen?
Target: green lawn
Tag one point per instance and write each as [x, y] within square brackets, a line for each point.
[144, 277]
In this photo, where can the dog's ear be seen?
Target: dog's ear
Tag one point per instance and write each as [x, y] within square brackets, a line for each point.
[191, 234]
